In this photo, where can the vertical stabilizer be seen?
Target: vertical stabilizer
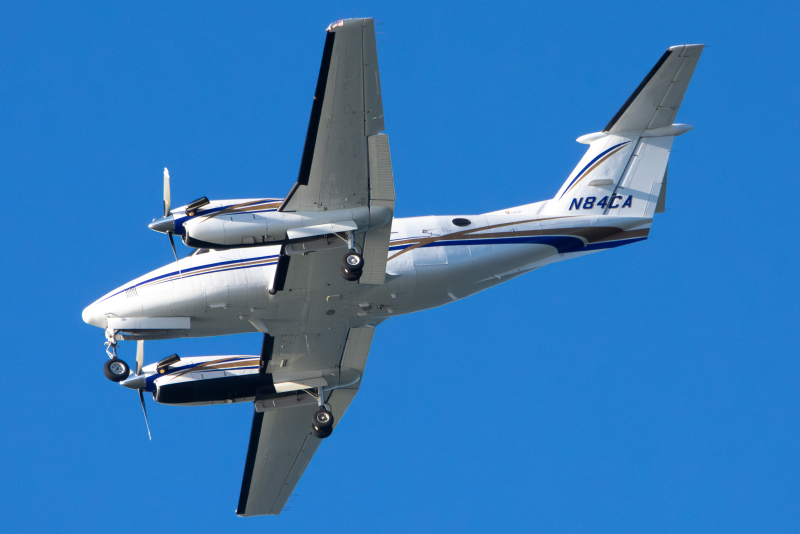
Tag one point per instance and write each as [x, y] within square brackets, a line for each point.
[623, 171]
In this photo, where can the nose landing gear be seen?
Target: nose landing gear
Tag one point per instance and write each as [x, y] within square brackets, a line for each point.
[115, 369]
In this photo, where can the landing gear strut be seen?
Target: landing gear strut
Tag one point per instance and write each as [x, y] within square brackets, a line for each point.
[115, 369]
[322, 421]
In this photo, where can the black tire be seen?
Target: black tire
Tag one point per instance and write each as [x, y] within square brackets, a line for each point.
[322, 420]
[353, 261]
[116, 370]
[350, 276]
[320, 434]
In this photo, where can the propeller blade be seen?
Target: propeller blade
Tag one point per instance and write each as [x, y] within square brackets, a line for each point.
[139, 357]
[144, 410]
[172, 242]
[167, 200]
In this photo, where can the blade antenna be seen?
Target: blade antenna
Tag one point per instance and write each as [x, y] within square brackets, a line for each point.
[144, 410]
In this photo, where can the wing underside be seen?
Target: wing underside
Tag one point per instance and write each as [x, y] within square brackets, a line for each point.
[347, 108]
[281, 445]
[346, 162]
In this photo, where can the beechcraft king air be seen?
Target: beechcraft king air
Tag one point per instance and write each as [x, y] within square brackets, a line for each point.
[317, 271]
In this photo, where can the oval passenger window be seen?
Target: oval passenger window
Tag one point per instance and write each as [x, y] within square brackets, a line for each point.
[462, 222]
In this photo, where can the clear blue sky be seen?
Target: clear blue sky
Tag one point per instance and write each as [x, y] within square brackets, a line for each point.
[652, 388]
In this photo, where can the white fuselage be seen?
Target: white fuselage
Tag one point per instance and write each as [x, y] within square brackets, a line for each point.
[432, 261]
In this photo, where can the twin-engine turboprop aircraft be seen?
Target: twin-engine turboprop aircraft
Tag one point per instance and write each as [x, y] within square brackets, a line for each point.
[318, 270]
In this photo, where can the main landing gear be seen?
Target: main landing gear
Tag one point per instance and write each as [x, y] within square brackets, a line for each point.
[352, 263]
[115, 369]
[322, 421]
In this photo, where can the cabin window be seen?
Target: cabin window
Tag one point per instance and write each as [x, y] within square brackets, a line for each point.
[462, 222]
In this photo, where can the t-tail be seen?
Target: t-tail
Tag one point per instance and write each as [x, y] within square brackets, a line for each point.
[624, 172]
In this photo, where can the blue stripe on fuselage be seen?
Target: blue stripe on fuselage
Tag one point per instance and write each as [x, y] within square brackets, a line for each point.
[563, 244]
[191, 271]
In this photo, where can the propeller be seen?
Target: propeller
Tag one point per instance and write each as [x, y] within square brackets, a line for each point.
[166, 224]
[139, 356]
[139, 382]
[167, 213]
[139, 365]
[144, 410]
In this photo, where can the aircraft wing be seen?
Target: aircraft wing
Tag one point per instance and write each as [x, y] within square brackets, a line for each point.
[345, 164]
[347, 109]
[281, 444]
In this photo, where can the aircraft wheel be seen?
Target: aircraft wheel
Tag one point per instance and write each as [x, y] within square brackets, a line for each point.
[320, 435]
[351, 275]
[116, 370]
[353, 261]
[322, 422]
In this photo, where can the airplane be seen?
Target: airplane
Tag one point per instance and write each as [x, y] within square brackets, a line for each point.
[317, 271]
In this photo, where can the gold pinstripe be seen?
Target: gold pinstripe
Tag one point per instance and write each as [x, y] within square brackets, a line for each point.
[593, 167]
[208, 270]
[463, 233]
[222, 363]
[246, 207]
[590, 234]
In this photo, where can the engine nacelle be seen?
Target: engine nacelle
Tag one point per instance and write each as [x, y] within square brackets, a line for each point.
[225, 379]
[224, 228]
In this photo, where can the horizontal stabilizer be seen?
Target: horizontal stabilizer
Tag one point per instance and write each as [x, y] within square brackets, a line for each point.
[655, 103]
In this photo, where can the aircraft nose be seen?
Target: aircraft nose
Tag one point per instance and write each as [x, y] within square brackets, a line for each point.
[94, 316]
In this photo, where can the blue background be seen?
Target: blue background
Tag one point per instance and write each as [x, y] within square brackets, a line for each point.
[649, 388]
